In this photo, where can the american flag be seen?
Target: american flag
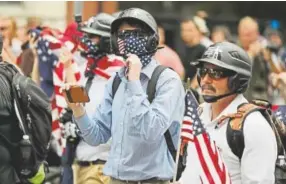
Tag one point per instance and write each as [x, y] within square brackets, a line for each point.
[212, 169]
[121, 46]
[280, 112]
[59, 75]
[52, 73]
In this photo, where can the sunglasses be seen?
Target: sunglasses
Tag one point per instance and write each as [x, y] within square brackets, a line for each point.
[215, 73]
[127, 33]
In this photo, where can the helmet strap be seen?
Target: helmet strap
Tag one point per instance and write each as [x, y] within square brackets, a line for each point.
[212, 99]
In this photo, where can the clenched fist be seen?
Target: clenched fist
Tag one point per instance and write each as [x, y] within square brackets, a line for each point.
[134, 67]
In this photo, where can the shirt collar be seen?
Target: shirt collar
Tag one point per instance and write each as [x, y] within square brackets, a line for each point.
[231, 108]
[147, 70]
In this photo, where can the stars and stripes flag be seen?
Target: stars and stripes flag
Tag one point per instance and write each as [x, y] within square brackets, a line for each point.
[121, 46]
[59, 76]
[48, 49]
[280, 112]
[212, 169]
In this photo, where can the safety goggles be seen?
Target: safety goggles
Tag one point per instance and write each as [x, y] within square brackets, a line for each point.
[128, 33]
[215, 73]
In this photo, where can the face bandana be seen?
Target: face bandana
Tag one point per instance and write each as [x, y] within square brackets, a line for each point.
[92, 54]
[131, 42]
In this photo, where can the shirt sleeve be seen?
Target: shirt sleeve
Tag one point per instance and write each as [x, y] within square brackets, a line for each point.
[152, 120]
[96, 129]
[260, 152]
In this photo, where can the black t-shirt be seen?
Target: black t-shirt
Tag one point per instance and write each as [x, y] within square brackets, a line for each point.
[192, 54]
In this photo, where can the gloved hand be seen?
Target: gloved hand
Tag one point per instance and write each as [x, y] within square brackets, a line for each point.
[69, 129]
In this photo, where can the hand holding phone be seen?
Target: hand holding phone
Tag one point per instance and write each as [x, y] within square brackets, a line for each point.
[77, 94]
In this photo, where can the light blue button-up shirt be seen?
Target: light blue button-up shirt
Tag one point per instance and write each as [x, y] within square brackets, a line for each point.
[138, 149]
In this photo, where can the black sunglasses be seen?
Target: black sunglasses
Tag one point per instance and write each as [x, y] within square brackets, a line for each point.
[127, 33]
[215, 73]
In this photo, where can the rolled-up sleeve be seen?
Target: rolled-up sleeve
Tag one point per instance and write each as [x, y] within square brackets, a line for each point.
[152, 120]
[96, 129]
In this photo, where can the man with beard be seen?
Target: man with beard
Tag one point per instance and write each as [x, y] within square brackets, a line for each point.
[224, 72]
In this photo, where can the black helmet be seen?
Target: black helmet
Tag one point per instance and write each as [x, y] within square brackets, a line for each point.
[141, 16]
[136, 14]
[231, 57]
[99, 25]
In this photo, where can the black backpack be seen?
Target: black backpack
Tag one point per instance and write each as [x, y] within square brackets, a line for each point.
[151, 90]
[235, 136]
[33, 110]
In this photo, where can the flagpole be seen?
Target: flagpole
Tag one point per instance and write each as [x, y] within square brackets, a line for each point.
[177, 157]
[187, 86]
[180, 139]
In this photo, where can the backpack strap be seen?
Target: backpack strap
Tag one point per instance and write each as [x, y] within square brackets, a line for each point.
[151, 88]
[88, 84]
[115, 84]
[235, 137]
[151, 91]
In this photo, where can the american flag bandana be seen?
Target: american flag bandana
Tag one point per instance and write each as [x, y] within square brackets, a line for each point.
[121, 46]
[212, 169]
[134, 45]
[92, 54]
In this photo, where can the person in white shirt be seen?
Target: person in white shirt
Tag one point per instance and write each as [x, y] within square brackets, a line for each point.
[100, 66]
[224, 72]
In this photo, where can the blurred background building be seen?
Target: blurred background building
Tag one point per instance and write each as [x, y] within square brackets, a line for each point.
[59, 13]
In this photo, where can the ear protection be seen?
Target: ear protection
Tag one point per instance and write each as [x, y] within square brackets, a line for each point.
[104, 44]
[113, 44]
[152, 43]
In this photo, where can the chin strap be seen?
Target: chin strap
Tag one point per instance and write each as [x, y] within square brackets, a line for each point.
[212, 99]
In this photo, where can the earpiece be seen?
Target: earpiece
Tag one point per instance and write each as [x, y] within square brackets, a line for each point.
[152, 43]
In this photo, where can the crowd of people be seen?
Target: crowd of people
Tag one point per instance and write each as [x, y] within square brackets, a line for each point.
[130, 129]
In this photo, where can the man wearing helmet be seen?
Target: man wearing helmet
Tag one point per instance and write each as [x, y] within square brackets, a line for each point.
[139, 152]
[224, 72]
[100, 66]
